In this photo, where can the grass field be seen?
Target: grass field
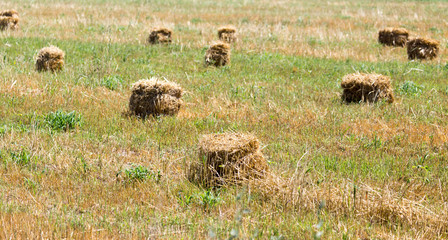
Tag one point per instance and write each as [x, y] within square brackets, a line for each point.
[73, 165]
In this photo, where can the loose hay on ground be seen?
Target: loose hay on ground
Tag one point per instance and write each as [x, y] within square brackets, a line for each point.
[361, 87]
[227, 34]
[393, 37]
[155, 97]
[50, 58]
[422, 48]
[160, 35]
[9, 19]
[218, 54]
[228, 158]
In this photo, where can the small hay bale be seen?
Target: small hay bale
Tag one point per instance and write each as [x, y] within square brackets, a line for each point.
[228, 158]
[9, 19]
[160, 35]
[227, 34]
[396, 37]
[422, 48]
[363, 87]
[218, 54]
[50, 58]
[155, 97]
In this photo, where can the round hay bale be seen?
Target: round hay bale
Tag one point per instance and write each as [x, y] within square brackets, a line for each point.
[422, 48]
[362, 87]
[396, 37]
[50, 58]
[227, 34]
[228, 158]
[155, 97]
[218, 54]
[160, 35]
[9, 19]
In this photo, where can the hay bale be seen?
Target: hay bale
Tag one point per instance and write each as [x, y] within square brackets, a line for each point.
[160, 35]
[50, 58]
[422, 48]
[228, 158]
[155, 97]
[9, 19]
[396, 37]
[370, 88]
[227, 34]
[218, 54]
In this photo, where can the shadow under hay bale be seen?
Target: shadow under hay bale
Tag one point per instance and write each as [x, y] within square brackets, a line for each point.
[9, 19]
[396, 37]
[361, 87]
[227, 34]
[50, 59]
[228, 158]
[160, 35]
[155, 97]
[218, 54]
[422, 48]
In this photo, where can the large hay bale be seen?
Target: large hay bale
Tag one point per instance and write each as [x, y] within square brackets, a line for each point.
[155, 97]
[218, 54]
[160, 35]
[228, 158]
[422, 48]
[9, 19]
[50, 58]
[396, 37]
[227, 34]
[370, 88]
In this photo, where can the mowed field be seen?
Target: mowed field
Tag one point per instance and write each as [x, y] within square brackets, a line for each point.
[349, 171]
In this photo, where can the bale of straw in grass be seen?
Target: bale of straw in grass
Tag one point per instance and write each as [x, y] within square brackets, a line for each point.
[370, 88]
[227, 34]
[228, 158]
[160, 35]
[155, 97]
[9, 19]
[218, 54]
[396, 37]
[50, 58]
[422, 48]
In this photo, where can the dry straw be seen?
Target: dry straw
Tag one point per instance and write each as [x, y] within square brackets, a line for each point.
[155, 97]
[50, 58]
[9, 19]
[396, 37]
[227, 34]
[228, 158]
[361, 87]
[422, 48]
[160, 35]
[218, 54]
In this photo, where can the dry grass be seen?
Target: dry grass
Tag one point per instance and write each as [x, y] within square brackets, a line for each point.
[155, 97]
[9, 19]
[396, 37]
[160, 35]
[218, 54]
[361, 87]
[422, 48]
[50, 59]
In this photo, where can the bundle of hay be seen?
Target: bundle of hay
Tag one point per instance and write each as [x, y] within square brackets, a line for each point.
[396, 37]
[155, 97]
[218, 54]
[228, 158]
[366, 87]
[227, 34]
[422, 48]
[9, 19]
[50, 58]
[160, 35]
